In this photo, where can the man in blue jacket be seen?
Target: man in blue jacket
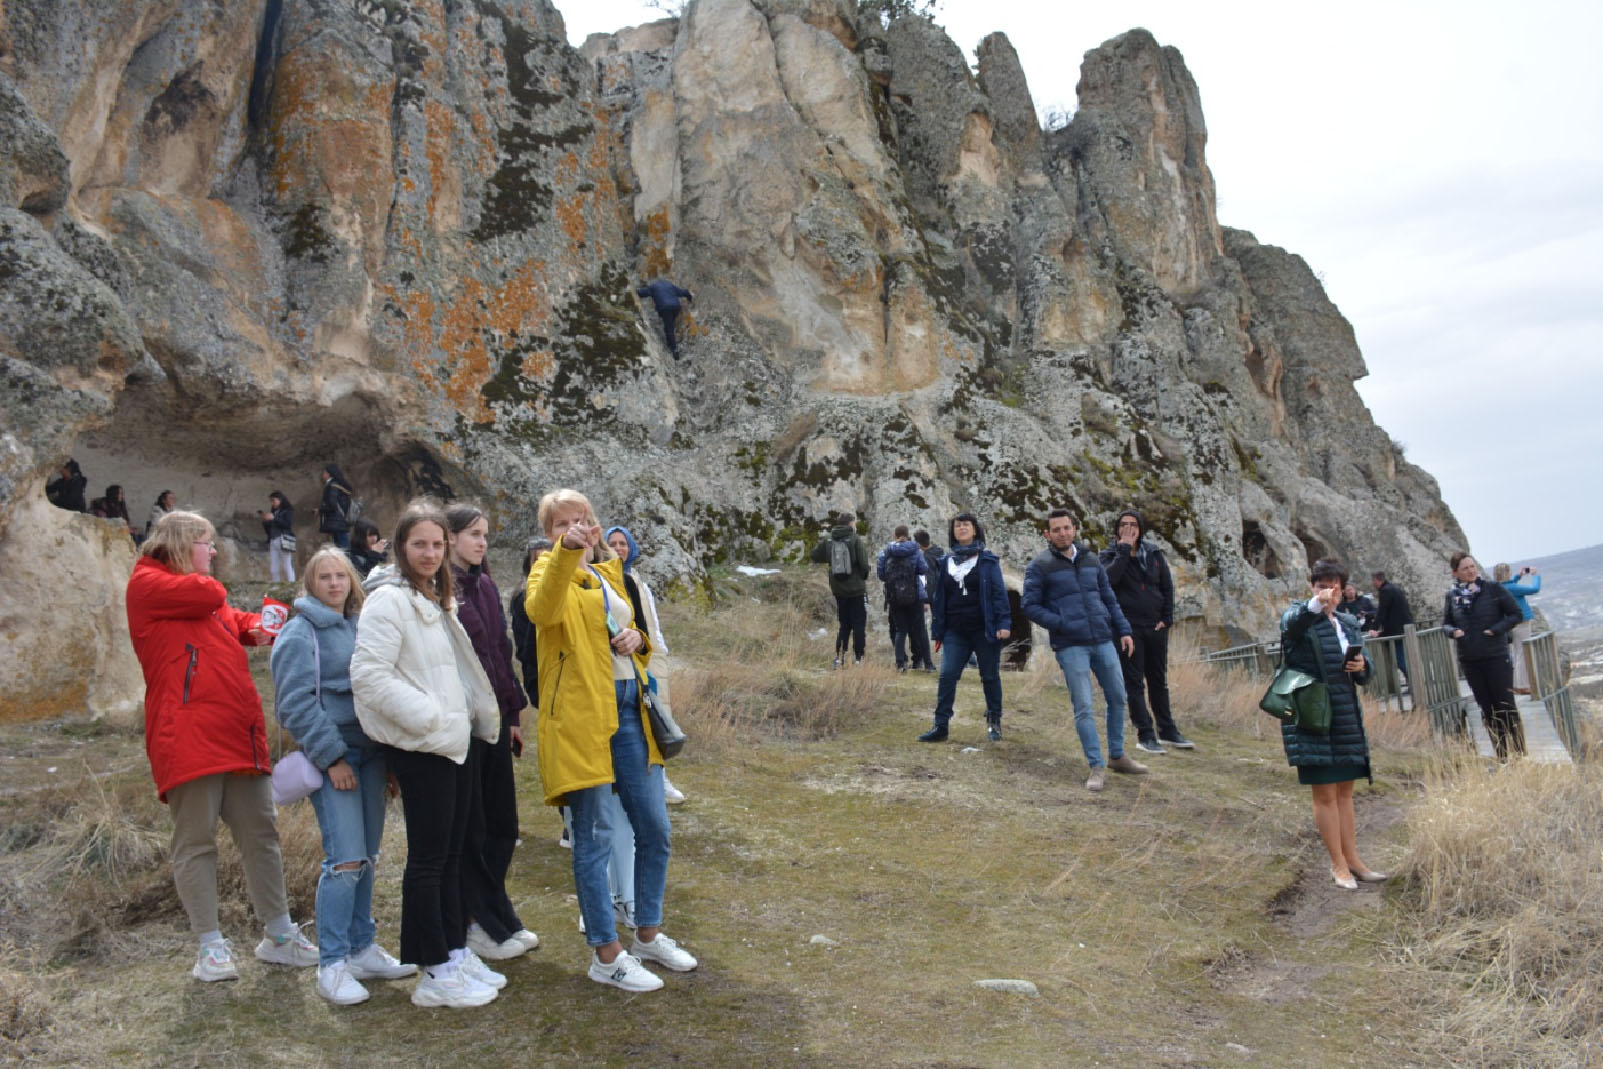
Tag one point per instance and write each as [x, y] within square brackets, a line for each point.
[665, 298]
[1067, 592]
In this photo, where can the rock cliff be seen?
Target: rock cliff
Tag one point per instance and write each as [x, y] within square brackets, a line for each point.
[242, 238]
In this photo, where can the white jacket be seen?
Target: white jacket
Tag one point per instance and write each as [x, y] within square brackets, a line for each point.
[417, 682]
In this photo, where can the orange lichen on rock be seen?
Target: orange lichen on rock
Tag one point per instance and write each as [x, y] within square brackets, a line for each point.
[655, 253]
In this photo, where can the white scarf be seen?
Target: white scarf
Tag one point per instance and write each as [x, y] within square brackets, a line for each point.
[959, 570]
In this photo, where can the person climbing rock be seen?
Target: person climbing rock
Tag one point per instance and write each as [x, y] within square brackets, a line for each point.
[665, 298]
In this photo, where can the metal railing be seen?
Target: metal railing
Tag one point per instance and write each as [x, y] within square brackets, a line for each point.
[1417, 670]
[1548, 687]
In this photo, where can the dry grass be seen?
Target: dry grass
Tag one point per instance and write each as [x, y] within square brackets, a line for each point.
[1505, 888]
[811, 811]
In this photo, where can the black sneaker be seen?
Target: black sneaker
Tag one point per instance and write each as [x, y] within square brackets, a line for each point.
[934, 734]
[994, 731]
[1149, 746]
[1180, 742]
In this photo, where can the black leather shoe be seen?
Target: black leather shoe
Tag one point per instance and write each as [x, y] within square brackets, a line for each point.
[994, 731]
[934, 734]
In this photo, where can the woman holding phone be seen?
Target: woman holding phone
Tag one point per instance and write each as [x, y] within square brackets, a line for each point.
[593, 739]
[1327, 645]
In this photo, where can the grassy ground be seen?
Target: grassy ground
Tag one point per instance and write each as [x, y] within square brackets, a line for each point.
[843, 885]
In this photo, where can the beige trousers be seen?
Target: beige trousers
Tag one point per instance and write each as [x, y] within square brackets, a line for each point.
[245, 803]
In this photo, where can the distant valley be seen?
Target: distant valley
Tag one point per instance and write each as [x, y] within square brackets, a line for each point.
[1572, 588]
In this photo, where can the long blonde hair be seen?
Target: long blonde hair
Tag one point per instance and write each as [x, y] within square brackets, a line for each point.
[354, 599]
[174, 535]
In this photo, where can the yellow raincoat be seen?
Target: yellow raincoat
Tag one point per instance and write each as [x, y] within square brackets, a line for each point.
[578, 703]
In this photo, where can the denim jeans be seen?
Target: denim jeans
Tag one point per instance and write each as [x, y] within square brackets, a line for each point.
[1078, 664]
[956, 648]
[352, 823]
[639, 787]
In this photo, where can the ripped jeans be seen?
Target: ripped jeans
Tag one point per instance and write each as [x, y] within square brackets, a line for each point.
[352, 823]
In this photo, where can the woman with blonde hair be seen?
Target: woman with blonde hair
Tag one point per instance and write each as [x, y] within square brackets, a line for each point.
[421, 693]
[313, 700]
[207, 738]
[593, 738]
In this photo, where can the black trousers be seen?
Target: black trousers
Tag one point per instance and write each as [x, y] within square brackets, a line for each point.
[670, 328]
[1492, 682]
[435, 798]
[492, 834]
[907, 629]
[853, 613]
[1146, 676]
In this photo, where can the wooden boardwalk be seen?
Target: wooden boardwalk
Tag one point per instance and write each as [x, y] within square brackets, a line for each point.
[1542, 742]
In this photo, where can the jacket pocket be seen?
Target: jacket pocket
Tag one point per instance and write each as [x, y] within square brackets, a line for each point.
[189, 671]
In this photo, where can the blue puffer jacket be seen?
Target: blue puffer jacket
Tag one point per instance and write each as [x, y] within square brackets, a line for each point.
[323, 723]
[993, 597]
[1303, 634]
[1073, 600]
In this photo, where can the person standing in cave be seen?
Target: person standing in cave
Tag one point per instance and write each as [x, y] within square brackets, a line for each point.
[66, 490]
[334, 516]
[280, 527]
[665, 297]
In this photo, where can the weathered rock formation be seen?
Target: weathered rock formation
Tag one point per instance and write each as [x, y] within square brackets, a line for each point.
[242, 238]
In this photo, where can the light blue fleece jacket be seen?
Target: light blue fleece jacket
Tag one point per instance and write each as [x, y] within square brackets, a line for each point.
[323, 723]
[1521, 591]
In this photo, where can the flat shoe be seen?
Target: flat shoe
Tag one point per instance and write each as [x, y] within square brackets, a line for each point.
[1346, 883]
[1370, 877]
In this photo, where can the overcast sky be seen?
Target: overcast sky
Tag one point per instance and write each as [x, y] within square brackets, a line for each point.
[1440, 165]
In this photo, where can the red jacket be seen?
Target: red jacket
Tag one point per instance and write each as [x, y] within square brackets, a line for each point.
[202, 713]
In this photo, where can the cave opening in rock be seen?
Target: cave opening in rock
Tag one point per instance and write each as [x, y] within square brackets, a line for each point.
[1256, 549]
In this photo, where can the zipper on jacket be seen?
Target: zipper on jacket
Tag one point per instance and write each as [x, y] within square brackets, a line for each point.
[189, 673]
[556, 688]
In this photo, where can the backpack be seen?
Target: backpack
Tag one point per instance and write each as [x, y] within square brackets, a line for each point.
[901, 581]
[840, 558]
[353, 507]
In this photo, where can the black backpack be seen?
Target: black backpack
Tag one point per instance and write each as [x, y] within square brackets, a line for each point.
[901, 580]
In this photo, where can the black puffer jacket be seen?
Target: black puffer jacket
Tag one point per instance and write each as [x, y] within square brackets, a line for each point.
[1491, 609]
[1141, 580]
[1303, 634]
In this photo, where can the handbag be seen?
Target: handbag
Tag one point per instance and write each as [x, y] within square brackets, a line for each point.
[1295, 697]
[294, 775]
[286, 542]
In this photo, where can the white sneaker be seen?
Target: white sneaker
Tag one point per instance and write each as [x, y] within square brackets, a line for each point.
[624, 914]
[335, 983]
[624, 971]
[671, 794]
[455, 990]
[215, 962]
[665, 952]
[293, 949]
[375, 963]
[480, 943]
[564, 840]
[477, 970]
[527, 938]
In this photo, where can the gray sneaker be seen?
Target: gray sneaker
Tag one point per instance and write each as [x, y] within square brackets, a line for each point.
[1150, 746]
[1098, 780]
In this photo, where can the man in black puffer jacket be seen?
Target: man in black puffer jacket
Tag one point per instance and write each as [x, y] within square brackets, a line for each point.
[1480, 614]
[1145, 589]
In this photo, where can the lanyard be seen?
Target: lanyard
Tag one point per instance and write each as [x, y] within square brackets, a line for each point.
[606, 603]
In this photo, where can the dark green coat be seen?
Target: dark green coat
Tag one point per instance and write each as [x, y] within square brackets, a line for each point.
[1302, 633]
[854, 585]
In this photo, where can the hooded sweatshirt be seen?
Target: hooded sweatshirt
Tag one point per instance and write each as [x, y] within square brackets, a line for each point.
[1140, 578]
[854, 585]
[312, 693]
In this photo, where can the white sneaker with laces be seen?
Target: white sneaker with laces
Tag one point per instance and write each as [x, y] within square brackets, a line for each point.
[336, 984]
[455, 990]
[624, 971]
[376, 963]
[481, 972]
[665, 952]
[215, 962]
[671, 794]
[293, 949]
[480, 943]
[527, 938]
